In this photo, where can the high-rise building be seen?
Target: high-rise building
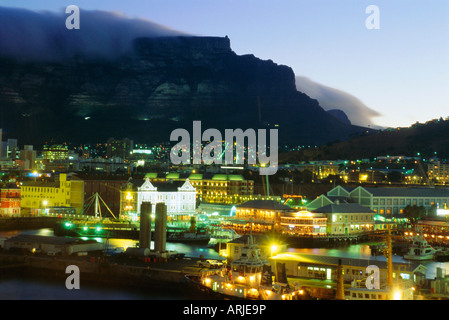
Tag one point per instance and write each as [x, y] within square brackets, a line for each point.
[28, 156]
[119, 148]
[55, 153]
[439, 172]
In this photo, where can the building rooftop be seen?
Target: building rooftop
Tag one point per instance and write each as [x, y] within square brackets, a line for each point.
[333, 261]
[343, 208]
[405, 191]
[162, 186]
[196, 176]
[42, 184]
[265, 204]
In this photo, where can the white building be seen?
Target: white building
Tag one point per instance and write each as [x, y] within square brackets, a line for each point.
[178, 196]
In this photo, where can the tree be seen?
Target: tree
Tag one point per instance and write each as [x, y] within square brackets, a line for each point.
[433, 211]
[414, 213]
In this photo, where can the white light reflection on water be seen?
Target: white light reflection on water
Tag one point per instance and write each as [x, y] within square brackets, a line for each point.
[355, 251]
[188, 249]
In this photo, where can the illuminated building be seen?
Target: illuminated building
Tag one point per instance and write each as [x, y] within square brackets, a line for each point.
[324, 267]
[215, 188]
[347, 218]
[265, 215]
[304, 223]
[55, 153]
[119, 148]
[439, 172]
[10, 201]
[178, 196]
[385, 200]
[37, 196]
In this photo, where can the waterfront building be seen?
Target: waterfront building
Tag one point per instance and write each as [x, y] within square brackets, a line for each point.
[179, 197]
[50, 245]
[66, 191]
[10, 201]
[346, 219]
[304, 223]
[264, 215]
[311, 266]
[385, 200]
[216, 188]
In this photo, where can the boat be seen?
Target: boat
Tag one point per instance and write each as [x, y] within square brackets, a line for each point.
[419, 249]
[189, 237]
[220, 236]
[248, 277]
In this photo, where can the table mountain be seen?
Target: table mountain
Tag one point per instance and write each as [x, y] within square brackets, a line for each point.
[163, 84]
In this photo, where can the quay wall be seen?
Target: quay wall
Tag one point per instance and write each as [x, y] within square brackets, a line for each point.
[92, 270]
[27, 223]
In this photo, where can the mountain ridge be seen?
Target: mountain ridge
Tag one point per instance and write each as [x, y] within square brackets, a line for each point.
[424, 140]
[166, 83]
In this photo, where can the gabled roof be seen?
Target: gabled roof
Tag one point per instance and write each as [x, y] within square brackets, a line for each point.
[408, 192]
[265, 204]
[331, 260]
[343, 208]
[161, 186]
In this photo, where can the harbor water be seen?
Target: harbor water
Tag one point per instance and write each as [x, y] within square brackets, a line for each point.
[19, 288]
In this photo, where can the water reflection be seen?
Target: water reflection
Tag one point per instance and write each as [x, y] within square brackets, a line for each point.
[355, 251]
[191, 250]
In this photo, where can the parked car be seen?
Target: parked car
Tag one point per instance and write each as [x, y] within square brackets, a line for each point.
[212, 264]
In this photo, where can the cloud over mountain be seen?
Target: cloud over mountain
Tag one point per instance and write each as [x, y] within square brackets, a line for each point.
[331, 98]
[43, 35]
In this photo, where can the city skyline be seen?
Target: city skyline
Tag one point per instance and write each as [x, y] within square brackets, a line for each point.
[399, 73]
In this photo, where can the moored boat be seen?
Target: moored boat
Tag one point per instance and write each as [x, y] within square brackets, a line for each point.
[441, 255]
[189, 237]
[248, 277]
[420, 250]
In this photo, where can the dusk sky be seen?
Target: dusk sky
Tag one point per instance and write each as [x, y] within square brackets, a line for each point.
[400, 71]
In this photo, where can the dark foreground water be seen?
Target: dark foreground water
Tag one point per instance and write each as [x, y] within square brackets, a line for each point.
[32, 288]
[26, 287]
[19, 287]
